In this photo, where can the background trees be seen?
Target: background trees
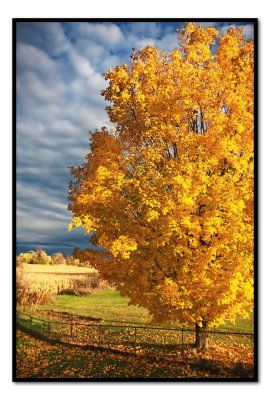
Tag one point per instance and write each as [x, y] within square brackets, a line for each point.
[169, 192]
[41, 257]
[58, 258]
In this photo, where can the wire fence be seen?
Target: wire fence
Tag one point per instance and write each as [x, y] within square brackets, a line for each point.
[134, 339]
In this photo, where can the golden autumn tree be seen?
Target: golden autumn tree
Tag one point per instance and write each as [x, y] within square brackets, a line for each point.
[168, 193]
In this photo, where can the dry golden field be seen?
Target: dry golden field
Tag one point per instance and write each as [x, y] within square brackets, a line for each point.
[56, 269]
[38, 284]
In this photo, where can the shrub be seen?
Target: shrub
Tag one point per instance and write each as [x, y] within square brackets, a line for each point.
[70, 260]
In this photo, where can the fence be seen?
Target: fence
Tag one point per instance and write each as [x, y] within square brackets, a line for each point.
[149, 340]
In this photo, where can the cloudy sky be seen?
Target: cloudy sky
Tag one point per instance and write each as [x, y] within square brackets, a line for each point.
[59, 76]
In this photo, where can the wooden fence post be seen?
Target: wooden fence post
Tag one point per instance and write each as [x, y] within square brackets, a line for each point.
[135, 339]
[183, 349]
[99, 337]
[71, 329]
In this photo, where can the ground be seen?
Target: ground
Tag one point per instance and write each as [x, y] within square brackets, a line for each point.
[42, 360]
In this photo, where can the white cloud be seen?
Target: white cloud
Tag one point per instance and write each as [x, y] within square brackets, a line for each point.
[104, 33]
[32, 57]
[109, 62]
[141, 43]
[168, 42]
[145, 28]
[81, 65]
[91, 50]
[38, 88]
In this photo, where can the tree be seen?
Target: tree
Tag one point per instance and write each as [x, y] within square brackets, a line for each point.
[39, 257]
[168, 193]
[58, 258]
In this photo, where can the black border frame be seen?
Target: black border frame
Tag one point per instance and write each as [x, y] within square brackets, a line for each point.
[255, 22]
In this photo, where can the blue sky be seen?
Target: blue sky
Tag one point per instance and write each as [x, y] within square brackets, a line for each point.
[59, 77]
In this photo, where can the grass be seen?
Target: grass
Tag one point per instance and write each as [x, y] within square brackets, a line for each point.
[111, 306]
[240, 325]
[107, 305]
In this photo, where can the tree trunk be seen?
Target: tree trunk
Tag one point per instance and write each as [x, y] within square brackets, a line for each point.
[201, 336]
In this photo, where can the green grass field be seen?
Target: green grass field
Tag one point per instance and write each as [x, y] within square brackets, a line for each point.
[107, 305]
[111, 306]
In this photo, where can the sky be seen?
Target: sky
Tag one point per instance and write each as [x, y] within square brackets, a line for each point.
[59, 77]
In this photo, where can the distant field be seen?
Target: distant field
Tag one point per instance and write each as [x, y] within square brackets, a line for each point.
[57, 276]
[56, 269]
[39, 284]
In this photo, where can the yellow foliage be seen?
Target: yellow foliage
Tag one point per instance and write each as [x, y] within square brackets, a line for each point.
[123, 246]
